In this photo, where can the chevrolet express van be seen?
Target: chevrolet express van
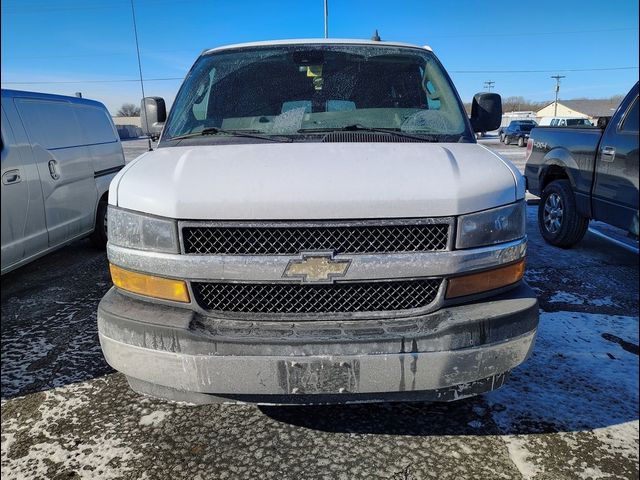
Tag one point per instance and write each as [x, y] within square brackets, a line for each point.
[318, 225]
[59, 155]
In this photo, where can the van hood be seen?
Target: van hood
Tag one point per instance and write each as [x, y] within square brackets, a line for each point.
[308, 181]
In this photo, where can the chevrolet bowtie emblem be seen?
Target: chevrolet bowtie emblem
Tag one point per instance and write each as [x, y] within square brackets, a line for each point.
[316, 268]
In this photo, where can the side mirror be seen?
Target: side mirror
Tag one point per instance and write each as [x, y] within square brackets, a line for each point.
[486, 112]
[603, 122]
[153, 114]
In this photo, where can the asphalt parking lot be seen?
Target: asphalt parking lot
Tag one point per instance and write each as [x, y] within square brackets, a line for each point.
[571, 411]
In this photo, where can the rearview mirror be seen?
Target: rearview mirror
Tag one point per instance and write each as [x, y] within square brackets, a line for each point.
[486, 112]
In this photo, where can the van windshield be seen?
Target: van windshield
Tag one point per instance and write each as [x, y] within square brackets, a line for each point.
[297, 90]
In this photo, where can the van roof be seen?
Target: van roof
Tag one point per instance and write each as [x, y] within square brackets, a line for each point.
[316, 41]
[51, 96]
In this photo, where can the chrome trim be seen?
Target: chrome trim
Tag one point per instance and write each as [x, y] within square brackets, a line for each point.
[364, 267]
[331, 276]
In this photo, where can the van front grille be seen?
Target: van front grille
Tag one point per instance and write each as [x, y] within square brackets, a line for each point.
[293, 298]
[291, 240]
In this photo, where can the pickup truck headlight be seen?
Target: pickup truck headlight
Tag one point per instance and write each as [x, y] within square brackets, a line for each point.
[489, 227]
[143, 232]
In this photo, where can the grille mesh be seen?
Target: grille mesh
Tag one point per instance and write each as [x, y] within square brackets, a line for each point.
[286, 298]
[292, 240]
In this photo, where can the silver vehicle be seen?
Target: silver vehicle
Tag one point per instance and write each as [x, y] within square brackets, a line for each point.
[59, 155]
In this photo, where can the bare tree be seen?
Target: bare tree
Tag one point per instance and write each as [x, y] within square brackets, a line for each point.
[513, 104]
[129, 110]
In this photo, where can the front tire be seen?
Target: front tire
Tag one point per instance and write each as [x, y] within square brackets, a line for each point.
[99, 236]
[521, 142]
[558, 218]
[506, 140]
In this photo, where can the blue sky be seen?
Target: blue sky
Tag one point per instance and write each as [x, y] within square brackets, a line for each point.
[92, 40]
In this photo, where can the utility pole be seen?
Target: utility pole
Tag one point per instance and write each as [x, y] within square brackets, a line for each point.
[555, 105]
[489, 84]
[326, 18]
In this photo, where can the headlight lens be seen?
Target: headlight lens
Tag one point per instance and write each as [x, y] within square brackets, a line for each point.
[135, 230]
[489, 227]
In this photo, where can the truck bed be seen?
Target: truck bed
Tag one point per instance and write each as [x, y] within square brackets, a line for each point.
[572, 148]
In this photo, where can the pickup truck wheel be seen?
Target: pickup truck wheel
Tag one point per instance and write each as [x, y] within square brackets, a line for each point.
[558, 219]
[521, 142]
[99, 235]
[506, 140]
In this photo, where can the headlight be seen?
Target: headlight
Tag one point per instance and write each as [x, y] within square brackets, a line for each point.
[489, 227]
[135, 230]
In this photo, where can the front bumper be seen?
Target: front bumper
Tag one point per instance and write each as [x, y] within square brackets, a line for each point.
[452, 353]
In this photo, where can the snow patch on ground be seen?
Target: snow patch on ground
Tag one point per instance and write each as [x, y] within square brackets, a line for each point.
[620, 439]
[578, 386]
[154, 419]
[573, 299]
[575, 379]
[93, 457]
[602, 302]
[59, 350]
[521, 457]
[565, 297]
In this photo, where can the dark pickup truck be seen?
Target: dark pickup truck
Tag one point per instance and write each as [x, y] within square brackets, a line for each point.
[582, 174]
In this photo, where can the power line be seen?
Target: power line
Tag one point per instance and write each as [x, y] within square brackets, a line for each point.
[115, 54]
[94, 81]
[164, 79]
[38, 8]
[547, 71]
[527, 34]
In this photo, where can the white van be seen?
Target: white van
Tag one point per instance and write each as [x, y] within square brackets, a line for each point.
[318, 225]
[564, 122]
[59, 155]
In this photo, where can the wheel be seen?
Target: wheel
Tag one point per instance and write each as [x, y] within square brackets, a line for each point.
[558, 219]
[521, 142]
[507, 141]
[99, 235]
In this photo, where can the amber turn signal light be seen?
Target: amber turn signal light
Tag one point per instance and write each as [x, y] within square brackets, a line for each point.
[485, 281]
[149, 285]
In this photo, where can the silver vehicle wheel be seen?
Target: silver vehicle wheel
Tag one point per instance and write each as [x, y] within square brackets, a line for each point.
[553, 213]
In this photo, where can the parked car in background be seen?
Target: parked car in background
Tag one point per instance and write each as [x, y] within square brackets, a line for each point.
[318, 225]
[509, 117]
[582, 174]
[518, 132]
[565, 122]
[59, 155]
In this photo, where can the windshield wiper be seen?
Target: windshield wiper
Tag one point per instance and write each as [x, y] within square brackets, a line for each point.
[234, 133]
[361, 128]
